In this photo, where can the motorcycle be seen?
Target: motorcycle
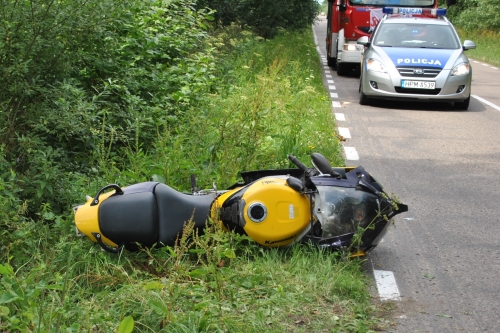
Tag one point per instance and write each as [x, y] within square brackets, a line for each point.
[339, 208]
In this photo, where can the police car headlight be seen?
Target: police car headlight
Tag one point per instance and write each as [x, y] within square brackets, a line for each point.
[461, 69]
[375, 66]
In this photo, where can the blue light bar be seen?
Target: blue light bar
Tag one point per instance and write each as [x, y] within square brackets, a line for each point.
[402, 10]
[438, 11]
[414, 11]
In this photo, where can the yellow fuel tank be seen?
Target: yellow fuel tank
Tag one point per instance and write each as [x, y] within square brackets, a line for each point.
[268, 210]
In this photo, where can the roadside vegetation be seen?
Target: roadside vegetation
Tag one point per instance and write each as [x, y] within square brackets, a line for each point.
[100, 92]
[479, 21]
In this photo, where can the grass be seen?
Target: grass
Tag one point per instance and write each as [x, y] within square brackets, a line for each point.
[487, 48]
[213, 283]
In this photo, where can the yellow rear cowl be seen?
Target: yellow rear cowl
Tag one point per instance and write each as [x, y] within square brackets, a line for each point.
[87, 219]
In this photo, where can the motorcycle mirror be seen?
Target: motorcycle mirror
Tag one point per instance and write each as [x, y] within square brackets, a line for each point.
[322, 164]
[295, 184]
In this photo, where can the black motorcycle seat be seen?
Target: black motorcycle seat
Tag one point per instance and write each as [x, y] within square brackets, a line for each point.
[176, 208]
[132, 216]
[151, 213]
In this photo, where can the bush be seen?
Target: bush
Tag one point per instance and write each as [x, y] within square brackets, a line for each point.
[264, 17]
[476, 15]
[82, 81]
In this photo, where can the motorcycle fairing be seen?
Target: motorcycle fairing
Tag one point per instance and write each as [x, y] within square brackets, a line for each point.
[349, 205]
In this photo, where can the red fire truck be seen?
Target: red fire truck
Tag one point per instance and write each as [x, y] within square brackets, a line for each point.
[349, 20]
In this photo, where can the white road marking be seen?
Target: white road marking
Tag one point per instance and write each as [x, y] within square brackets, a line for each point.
[332, 88]
[486, 102]
[478, 62]
[351, 154]
[386, 285]
[329, 81]
[344, 132]
[339, 116]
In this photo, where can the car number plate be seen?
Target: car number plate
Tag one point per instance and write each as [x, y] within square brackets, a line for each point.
[418, 84]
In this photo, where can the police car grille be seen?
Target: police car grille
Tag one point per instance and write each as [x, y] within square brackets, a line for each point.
[419, 71]
[400, 90]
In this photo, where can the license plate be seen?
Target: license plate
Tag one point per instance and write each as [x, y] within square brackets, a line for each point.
[418, 84]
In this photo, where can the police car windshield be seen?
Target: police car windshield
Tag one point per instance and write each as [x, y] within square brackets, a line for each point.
[403, 3]
[416, 35]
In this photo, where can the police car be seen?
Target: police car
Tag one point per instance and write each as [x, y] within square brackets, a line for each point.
[415, 54]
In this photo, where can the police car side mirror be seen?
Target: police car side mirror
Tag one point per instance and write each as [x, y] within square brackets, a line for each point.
[468, 45]
[365, 41]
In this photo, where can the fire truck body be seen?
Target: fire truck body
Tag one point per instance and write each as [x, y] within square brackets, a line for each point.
[349, 20]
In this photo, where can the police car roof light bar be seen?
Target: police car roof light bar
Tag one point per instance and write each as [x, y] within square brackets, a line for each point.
[433, 12]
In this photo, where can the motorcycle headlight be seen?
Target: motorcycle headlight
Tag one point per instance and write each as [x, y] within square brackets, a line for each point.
[375, 66]
[461, 69]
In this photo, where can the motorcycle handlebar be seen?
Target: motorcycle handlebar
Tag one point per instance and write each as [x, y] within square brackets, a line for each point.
[298, 163]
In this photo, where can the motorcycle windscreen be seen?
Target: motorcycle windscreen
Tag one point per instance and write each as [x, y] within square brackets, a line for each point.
[344, 210]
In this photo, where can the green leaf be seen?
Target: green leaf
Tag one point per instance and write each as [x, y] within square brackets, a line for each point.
[8, 296]
[126, 325]
[6, 270]
[158, 307]
[198, 272]
[4, 311]
[229, 253]
[152, 285]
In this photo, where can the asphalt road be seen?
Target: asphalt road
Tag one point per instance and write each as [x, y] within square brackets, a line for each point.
[445, 164]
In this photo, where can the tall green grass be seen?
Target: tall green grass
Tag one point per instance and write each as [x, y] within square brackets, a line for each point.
[487, 46]
[218, 282]
[271, 102]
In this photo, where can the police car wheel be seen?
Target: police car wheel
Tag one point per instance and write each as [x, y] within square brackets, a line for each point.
[363, 99]
[462, 105]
